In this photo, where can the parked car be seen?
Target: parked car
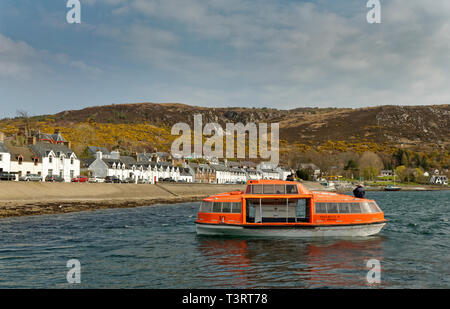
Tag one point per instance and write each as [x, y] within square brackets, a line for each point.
[7, 176]
[128, 180]
[54, 178]
[143, 181]
[31, 177]
[96, 179]
[112, 179]
[80, 179]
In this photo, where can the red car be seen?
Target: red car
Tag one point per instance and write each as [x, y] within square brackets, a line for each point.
[80, 179]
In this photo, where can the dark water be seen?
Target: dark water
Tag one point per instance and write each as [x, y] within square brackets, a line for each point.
[157, 247]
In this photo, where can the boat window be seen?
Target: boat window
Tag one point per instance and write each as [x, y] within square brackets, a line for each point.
[291, 189]
[355, 208]
[374, 207]
[332, 208]
[321, 208]
[280, 189]
[236, 208]
[217, 207]
[269, 189]
[205, 207]
[226, 207]
[301, 208]
[344, 208]
[257, 189]
[365, 208]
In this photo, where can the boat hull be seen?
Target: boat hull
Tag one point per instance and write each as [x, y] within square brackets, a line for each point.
[360, 230]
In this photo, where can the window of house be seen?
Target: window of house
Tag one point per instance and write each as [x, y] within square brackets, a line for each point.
[20, 160]
[71, 161]
[1, 157]
[35, 161]
[50, 159]
[50, 172]
[72, 174]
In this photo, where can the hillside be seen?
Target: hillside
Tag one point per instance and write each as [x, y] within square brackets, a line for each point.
[146, 126]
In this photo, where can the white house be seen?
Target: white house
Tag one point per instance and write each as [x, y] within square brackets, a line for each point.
[5, 157]
[24, 161]
[185, 175]
[125, 167]
[56, 159]
[270, 174]
[439, 180]
[283, 173]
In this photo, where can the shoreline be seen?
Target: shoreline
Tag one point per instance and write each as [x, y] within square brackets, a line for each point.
[29, 199]
[26, 199]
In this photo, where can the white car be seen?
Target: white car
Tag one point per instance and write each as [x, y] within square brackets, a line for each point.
[96, 179]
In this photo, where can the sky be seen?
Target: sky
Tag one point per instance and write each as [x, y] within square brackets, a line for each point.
[222, 53]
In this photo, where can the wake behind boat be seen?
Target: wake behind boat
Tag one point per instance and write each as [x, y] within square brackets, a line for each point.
[287, 208]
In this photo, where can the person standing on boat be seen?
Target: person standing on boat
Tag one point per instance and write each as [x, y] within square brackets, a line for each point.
[359, 192]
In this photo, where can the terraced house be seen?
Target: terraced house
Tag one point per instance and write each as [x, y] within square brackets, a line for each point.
[47, 154]
[56, 159]
[5, 156]
[128, 168]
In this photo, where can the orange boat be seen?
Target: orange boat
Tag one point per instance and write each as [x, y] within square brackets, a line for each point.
[287, 208]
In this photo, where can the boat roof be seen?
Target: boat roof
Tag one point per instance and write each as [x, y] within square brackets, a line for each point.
[301, 189]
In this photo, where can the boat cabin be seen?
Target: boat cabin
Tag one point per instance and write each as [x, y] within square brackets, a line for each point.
[277, 202]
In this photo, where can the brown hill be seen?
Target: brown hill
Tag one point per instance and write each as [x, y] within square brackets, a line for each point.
[407, 126]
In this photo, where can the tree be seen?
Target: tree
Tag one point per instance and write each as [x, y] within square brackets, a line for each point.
[402, 173]
[370, 159]
[370, 172]
[351, 165]
[302, 174]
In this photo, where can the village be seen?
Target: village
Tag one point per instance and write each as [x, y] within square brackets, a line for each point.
[49, 158]
[46, 157]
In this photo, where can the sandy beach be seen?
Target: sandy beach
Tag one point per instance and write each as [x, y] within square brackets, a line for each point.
[20, 198]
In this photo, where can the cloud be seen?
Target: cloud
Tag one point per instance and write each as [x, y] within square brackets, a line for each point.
[21, 61]
[15, 58]
[281, 54]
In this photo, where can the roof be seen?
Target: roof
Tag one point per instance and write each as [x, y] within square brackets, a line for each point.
[144, 157]
[23, 151]
[95, 149]
[128, 161]
[185, 172]
[110, 162]
[42, 149]
[219, 167]
[85, 163]
[57, 138]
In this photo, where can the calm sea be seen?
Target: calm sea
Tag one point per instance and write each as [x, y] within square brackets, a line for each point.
[157, 247]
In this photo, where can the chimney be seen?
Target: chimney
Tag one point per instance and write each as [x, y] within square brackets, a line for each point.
[115, 155]
[99, 155]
